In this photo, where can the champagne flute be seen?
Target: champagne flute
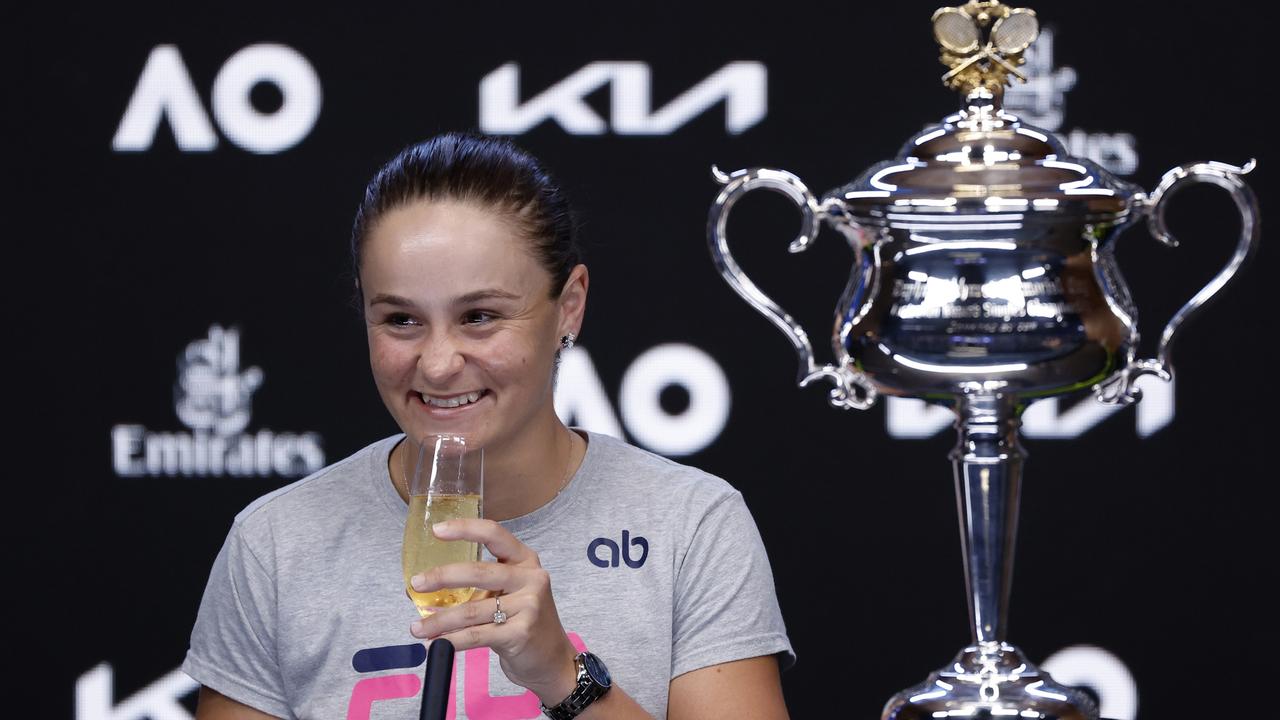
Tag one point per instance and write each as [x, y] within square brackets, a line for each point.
[447, 484]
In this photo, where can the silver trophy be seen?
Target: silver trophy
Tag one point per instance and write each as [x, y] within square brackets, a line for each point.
[984, 278]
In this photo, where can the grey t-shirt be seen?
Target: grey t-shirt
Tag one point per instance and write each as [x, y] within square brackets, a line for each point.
[656, 567]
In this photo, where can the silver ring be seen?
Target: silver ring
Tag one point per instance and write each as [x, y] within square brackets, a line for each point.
[499, 617]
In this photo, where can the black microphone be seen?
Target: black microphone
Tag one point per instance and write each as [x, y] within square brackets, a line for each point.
[435, 690]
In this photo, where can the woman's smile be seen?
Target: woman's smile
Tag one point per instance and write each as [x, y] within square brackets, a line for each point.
[443, 407]
[453, 401]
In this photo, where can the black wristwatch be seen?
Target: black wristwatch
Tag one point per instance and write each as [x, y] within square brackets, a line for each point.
[593, 683]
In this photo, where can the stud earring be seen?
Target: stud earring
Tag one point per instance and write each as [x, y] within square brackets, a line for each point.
[566, 342]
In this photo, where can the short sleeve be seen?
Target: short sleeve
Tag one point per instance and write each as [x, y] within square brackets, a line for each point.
[233, 644]
[725, 606]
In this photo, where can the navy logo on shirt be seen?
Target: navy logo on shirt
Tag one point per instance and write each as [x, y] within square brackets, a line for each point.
[593, 551]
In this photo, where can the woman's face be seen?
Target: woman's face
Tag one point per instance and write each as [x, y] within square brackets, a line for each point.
[462, 327]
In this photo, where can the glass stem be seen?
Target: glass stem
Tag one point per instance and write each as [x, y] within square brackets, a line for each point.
[988, 471]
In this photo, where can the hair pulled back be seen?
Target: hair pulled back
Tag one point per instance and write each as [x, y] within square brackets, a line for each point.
[489, 172]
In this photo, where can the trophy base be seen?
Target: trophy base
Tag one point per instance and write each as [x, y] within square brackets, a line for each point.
[990, 681]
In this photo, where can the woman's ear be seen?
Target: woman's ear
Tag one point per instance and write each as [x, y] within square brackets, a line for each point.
[573, 301]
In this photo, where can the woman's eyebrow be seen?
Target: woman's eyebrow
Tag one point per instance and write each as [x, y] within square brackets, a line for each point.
[387, 299]
[487, 294]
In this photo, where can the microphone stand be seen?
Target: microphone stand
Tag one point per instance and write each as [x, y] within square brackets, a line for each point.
[439, 673]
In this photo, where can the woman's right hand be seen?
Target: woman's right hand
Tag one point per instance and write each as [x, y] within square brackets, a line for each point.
[533, 649]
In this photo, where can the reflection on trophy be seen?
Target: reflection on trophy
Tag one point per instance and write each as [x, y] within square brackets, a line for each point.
[984, 278]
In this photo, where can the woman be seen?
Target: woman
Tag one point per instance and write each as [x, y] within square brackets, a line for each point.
[471, 285]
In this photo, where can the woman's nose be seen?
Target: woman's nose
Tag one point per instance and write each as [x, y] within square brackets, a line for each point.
[440, 359]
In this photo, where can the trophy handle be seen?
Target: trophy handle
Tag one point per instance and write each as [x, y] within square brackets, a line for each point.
[852, 389]
[1120, 389]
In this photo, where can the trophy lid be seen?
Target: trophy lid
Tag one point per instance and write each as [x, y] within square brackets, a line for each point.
[984, 159]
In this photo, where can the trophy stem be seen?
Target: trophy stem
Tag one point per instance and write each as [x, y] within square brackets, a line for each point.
[988, 473]
[991, 678]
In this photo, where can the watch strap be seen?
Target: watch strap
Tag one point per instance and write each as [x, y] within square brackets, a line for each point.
[586, 692]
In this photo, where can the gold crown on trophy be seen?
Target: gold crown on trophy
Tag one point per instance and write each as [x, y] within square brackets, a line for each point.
[982, 43]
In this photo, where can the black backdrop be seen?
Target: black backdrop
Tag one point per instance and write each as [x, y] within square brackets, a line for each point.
[129, 249]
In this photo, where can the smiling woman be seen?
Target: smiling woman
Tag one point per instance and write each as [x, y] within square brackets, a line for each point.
[471, 284]
[463, 328]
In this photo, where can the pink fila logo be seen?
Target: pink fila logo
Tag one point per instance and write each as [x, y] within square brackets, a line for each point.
[390, 687]
[472, 674]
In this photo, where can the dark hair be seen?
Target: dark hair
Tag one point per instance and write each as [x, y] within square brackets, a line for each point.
[488, 171]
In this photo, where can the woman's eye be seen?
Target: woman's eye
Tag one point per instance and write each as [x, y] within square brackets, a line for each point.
[400, 320]
[477, 317]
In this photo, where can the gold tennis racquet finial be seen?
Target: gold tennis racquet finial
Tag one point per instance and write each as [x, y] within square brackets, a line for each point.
[982, 43]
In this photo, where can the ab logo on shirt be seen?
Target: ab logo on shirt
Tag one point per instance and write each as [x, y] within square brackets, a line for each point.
[611, 560]
[470, 671]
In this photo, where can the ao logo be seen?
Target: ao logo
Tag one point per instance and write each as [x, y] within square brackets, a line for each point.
[580, 398]
[741, 85]
[165, 89]
[1043, 419]
[1080, 665]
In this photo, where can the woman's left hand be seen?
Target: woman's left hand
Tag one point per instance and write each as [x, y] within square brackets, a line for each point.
[531, 644]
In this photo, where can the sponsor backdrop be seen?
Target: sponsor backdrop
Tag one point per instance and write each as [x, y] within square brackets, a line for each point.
[183, 182]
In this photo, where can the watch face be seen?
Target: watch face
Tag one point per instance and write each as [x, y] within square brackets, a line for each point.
[596, 669]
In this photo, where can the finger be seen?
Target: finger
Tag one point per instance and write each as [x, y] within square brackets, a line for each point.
[473, 637]
[486, 578]
[483, 575]
[504, 546]
[482, 612]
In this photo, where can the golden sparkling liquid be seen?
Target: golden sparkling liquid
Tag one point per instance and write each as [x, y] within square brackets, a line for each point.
[423, 550]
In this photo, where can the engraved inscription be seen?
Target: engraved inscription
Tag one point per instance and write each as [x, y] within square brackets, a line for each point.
[973, 306]
[952, 298]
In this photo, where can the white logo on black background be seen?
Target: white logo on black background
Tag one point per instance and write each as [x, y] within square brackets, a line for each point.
[743, 87]
[1041, 101]
[211, 394]
[581, 400]
[213, 399]
[165, 90]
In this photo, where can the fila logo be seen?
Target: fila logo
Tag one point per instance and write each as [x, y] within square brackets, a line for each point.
[162, 699]
[612, 560]
[165, 90]
[741, 85]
